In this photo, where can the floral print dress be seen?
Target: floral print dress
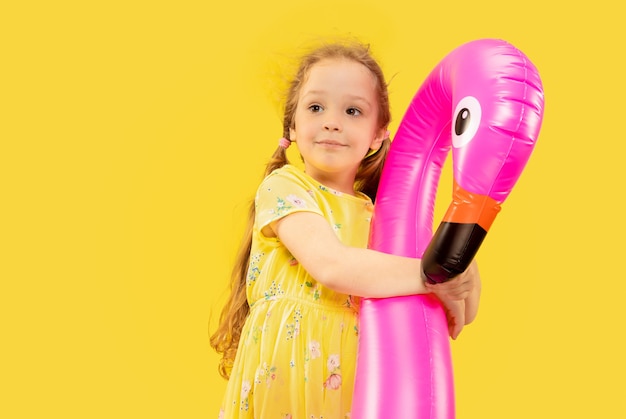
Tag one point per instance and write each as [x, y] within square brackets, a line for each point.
[297, 353]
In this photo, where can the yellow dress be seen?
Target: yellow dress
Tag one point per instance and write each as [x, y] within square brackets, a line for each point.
[297, 353]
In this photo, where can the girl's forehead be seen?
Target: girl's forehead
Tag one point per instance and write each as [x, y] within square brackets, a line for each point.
[340, 64]
[339, 72]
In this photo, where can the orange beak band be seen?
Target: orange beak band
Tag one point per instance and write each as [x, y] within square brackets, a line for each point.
[471, 208]
[459, 235]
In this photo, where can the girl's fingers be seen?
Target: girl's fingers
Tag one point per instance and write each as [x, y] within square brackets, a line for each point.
[457, 293]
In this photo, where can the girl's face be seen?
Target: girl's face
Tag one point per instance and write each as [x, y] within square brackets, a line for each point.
[336, 120]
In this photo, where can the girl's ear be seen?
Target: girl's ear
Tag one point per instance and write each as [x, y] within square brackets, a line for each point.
[292, 134]
[377, 142]
[381, 134]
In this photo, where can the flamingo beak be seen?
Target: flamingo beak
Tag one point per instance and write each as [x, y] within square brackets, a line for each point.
[459, 235]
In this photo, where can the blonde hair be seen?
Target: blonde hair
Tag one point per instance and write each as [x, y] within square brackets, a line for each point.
[226, 338]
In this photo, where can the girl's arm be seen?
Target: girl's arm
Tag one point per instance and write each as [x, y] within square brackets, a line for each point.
[350, 270]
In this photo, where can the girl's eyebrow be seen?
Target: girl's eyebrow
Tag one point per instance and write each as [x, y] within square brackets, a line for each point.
[355, 98]
[313, 93]
[358, 98]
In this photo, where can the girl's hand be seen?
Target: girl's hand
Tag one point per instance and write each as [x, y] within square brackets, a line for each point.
[459, 287]
[460, 297]
[455, 313]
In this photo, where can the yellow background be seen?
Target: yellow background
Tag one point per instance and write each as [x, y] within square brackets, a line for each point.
[133, 133]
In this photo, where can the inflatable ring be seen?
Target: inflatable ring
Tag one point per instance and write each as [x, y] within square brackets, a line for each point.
[484, 101]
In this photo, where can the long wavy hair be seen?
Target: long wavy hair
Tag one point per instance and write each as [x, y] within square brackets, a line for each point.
[226, 338]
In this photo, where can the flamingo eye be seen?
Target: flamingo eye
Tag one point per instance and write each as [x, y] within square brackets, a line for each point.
[466, 118]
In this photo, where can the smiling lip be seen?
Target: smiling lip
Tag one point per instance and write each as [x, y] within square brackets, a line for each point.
[330, 143]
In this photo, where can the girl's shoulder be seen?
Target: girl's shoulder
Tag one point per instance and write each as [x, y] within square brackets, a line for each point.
[289, 171]
[287, 181]
[295, 176]
[287, 176]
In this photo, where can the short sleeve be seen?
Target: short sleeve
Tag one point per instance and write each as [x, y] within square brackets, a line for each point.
[281, 194]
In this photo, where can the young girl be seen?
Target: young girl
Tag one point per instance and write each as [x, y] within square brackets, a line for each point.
[288, 333]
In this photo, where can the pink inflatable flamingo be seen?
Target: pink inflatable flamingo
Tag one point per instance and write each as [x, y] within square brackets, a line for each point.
[485, 101]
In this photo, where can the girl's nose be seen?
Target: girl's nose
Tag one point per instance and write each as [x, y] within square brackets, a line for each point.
[332, 123]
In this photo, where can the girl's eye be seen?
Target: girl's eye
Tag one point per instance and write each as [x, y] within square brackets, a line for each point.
[353, 111]
[315, 108]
